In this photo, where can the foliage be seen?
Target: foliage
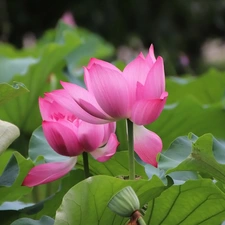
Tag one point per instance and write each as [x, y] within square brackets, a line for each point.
[194, 103]
[177, 30]
[187, 186]
[40, 70]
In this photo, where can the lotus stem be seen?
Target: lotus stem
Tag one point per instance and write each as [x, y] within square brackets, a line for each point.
[86, 165]
[141, 221]
[130, 135]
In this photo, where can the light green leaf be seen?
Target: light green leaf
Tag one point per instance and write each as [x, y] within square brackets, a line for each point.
[92, 46]
[202, 159]
[195, 202]
[8, 92]
[206, 89]
[91, 206]
[45, 220]
[193, 103]
[189, 116]
[15, 205]
[38, 80]
[179, 150]
[10, 67]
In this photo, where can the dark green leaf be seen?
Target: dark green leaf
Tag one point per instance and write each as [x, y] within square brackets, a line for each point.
[15, 191]
[51, 204]
[10, 173]
[11, 211]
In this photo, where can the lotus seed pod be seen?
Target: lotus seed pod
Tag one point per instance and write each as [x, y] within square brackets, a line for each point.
[124, 202]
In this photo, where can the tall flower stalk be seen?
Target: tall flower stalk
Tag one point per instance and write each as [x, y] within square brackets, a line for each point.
[130, 135]
[86, 165]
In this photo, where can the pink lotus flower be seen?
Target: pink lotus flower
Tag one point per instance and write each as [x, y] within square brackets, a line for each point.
[138, 93]
[68, 18]
[69, 136]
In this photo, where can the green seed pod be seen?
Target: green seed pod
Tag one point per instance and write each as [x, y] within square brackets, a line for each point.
[124, 202]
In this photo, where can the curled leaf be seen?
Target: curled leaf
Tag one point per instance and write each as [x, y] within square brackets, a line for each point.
[8, 133]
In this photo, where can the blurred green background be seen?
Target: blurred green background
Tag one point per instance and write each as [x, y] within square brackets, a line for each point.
[188, 34]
